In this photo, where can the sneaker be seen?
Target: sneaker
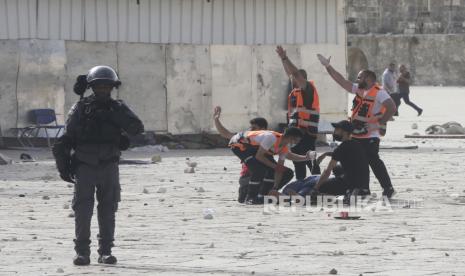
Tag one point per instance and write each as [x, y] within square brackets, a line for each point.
[389, 193]
[81, 260]
[107, 259]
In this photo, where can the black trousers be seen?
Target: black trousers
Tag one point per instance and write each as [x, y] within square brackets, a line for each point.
[103, 180]
[307, 143]
[262, 176]
[371, 147]
[406, 97]
[396, 98]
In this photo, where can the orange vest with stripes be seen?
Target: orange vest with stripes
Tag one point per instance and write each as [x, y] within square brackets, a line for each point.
[363, 119]
[301, 116]
[245, 140]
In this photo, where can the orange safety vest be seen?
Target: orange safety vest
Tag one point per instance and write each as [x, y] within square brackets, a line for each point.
[363, 119]
[245, 139]
[301, 116]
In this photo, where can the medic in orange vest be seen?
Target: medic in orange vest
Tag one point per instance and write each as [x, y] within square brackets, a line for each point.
[303, 111]
[372, 109]
[256, 149]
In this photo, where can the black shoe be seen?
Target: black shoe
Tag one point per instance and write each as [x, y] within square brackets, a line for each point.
[389, 193]
[81, 260]
[242, 194]
[254, 201]
[420, 112]
[107, 259]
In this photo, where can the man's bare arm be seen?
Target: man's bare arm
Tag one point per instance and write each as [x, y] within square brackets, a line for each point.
[290, 68]
[326, 173]
[337, 77]
[390, 110]
[224, 132]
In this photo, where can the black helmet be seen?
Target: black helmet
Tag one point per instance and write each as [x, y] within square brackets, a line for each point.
[103, 74]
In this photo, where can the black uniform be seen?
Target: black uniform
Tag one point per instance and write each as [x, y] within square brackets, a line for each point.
[95, 135]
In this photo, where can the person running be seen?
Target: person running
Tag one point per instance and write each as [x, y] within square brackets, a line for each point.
[256, 149]
[257, 123]
[403, 82]
[372, 108]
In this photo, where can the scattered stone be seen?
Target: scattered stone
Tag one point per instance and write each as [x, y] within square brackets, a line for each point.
[259, 224]
[250, 227]
[161, 200]
[414, 126]
[201, 257]
[337, 253]
[201, 190]
[361, 242]
[413, 239]
[14, 239]
[447, 254]
[208, 216]
[212, 245]
[409, 190]
[394, 253]
[171, 180]
[129, 215]
[184, 219]
[145, 204]
[34, 238]
[70, 185]
[71, 215]
[65, 206]
[417, 176]
[333, 271]
[60, 270]
[45, 197]
[145, 191]
[31, 218]
[342, 228]
[59, 243]
[225, 169]
[22, 195]
[162, 190]
[189, 170]
[156, 159]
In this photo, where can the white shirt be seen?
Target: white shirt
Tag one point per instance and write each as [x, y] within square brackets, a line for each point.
[381, 97]
[390, 81]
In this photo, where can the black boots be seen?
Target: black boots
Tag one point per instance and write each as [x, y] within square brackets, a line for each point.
[107, 259]
[81, 259]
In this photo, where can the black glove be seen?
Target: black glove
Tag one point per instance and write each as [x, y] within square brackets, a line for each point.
[124, 142]
[62, 153]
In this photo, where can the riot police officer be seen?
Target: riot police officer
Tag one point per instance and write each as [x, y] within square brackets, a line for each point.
[88, 154]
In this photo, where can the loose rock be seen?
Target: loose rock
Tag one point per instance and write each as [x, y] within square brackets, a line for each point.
[201, 190]
[45, 197]
[145, 191]
[208, 216]
[60, 270]
[333, 271]
[162, 190]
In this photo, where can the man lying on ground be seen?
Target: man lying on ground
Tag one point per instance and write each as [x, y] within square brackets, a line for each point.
[256, 149]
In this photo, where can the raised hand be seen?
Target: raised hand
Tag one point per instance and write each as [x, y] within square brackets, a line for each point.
[324, 61]
[281, 52]
[217, 112]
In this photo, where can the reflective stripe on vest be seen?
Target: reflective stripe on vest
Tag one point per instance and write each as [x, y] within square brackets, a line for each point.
[303, 116]
[365, 122]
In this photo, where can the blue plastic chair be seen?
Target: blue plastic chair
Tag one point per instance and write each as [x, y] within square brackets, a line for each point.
[45, 118]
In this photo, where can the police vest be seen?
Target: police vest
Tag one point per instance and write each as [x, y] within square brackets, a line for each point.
[301, 116]
[244, 140]
[94, 125]
[364, 121]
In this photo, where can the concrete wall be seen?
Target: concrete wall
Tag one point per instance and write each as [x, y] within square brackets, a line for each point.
[173, 88]
[431, 59]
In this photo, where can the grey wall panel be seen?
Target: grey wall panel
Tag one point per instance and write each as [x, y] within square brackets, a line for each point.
[227, 22]
[188, 88]
[81, 56]
[41, 78]
[141, 68]
[9, 55]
